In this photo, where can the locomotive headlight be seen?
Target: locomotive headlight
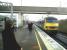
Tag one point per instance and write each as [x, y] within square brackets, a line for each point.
[46, 27]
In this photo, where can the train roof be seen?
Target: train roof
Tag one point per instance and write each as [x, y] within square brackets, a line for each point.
[1, 16]
[4, 17]
[51, 18]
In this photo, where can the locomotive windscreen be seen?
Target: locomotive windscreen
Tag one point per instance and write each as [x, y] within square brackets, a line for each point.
[51, 19]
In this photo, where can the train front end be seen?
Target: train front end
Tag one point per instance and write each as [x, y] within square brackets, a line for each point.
[51, 24]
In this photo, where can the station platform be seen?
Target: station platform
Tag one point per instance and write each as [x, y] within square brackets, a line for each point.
[35, 39]
[26, 39]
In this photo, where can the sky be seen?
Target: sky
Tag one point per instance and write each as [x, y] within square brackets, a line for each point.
[46, 3]
[41, 3]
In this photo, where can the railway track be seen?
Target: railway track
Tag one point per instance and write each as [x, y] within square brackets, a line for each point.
[59, 37]
[48, 39]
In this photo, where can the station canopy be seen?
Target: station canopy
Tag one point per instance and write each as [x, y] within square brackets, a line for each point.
[29, 6]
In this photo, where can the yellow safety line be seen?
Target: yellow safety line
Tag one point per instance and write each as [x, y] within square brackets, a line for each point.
[38, 41]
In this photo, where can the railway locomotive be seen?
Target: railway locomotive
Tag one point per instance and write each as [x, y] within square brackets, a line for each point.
[51, 24]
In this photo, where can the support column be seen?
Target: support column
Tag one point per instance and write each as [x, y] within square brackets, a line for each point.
[20, 20]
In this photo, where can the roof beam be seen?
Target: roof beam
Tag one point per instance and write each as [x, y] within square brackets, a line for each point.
[35, 10]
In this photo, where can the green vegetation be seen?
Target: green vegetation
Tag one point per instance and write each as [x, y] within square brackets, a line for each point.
[63, 25]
